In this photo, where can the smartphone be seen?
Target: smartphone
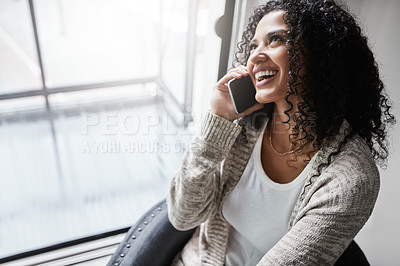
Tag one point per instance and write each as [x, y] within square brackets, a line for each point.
[243, 93]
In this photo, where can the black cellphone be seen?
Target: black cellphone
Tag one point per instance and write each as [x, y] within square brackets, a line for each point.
[243, 93]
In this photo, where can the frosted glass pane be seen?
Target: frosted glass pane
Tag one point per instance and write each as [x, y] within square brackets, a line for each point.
[19, 67]
[90, 41]
[114, 164]
[175, 29]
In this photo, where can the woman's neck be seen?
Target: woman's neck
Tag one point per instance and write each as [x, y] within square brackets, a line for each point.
[280, 130]
[281, 127]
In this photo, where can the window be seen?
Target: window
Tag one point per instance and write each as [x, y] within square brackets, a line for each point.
[96, 104]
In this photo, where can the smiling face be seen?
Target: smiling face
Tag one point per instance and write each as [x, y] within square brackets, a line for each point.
[268, 63]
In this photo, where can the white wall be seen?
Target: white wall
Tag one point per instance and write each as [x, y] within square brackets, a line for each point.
[379, 238]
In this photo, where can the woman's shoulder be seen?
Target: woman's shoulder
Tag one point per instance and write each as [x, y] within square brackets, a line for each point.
[355, 158]
[348, 154]
[351, 180]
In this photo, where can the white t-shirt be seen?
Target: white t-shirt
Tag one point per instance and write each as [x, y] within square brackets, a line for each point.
[258, 211]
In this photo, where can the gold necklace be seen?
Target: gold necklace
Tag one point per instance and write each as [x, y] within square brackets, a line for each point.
[275, 150]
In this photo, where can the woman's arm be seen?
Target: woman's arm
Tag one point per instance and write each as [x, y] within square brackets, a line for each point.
[196, 186]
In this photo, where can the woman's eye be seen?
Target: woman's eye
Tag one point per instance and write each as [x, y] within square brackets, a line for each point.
[253, 47]
[276, 38]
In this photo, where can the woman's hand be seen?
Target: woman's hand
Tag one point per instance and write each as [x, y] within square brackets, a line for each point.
[221, 102]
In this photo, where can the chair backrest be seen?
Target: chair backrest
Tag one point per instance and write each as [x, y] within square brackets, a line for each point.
[353, 255]
[151, 241]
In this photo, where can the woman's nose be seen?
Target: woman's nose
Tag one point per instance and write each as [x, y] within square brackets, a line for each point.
[258, 56]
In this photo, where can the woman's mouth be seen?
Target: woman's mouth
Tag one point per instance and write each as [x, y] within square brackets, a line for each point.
[265, 75]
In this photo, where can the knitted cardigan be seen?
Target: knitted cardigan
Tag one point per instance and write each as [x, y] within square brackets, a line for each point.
[330, 210]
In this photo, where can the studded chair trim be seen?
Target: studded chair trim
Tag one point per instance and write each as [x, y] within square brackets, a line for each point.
[151, 241]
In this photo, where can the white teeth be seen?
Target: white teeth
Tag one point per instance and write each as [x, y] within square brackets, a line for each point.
[265, 73]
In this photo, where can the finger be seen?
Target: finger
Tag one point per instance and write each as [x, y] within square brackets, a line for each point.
[244, 69]
[222, 88]
[240, 69]
[235, 73]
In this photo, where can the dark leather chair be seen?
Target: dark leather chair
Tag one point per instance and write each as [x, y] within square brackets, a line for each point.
[153, 241]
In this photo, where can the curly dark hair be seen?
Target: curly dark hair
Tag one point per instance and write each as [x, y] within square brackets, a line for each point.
[341, 80]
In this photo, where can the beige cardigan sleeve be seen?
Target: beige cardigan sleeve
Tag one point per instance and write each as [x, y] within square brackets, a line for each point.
[196, 186]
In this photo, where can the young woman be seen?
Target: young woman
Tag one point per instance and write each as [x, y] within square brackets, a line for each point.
[293, 179]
